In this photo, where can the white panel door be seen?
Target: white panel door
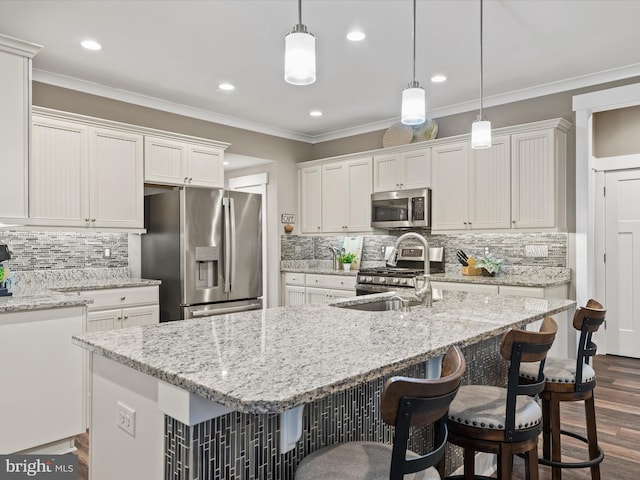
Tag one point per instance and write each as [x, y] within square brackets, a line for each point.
[335, 197]
[311, 199]
[103, 320]
[386, 172]
[294, 295]
[116, 179]
[164, 161]
[317, 296]
[622, 265]
[417, 169]
[204, 166]
[490, 185]
[450, 196]
[136, 316]
[360, 187]
[533, 179]
[59, 173]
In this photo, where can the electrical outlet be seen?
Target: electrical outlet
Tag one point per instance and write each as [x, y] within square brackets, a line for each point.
[107, 252]
[541, 251]
[486, 251]
[126, 419]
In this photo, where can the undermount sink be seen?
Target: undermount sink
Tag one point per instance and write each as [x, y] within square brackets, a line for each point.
[390, 304]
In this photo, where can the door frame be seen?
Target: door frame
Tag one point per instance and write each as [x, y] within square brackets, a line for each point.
[589, 240]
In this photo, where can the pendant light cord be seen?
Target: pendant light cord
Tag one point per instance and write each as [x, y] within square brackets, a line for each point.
[413, 35]
[481, 63]
[299, 12]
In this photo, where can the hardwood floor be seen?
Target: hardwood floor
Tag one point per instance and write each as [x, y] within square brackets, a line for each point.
[617, 413]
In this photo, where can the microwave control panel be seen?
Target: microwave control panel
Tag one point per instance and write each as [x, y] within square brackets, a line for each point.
[417, 206]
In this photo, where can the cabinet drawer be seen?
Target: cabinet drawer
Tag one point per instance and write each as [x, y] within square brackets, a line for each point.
[466, 287]
[340, 282]
[535, 292]
[121, 297]
[294, 278]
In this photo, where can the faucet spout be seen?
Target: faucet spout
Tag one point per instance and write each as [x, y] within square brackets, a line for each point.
[421, 239]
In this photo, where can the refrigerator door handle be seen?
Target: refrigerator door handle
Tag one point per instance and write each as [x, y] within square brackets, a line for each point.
[234, 242]
[227, 244]
[241, 308]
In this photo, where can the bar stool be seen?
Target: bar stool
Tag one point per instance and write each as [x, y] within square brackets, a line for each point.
[406, 402]
[504, 421]
[569, 380]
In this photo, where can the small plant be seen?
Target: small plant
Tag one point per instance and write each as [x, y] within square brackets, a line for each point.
[490, 264]
[347, 257]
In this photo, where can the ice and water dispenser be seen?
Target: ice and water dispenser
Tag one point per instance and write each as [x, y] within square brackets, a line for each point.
[206, 267]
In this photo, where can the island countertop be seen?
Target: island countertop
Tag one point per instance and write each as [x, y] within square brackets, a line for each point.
[272, 360]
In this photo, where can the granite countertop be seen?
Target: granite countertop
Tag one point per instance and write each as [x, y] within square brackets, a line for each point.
[272, 360]
[44, 289]
[521, 276]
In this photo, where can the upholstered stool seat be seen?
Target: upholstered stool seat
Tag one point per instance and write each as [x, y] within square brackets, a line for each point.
[486, 407]
[406, 403]
[558, 370]
[504, 421]
[571, 380]
[356, 461]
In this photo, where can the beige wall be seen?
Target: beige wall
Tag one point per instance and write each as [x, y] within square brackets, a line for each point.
[615, 132]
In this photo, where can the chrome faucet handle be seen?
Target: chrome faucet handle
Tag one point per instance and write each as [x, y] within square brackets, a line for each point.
[423, 289]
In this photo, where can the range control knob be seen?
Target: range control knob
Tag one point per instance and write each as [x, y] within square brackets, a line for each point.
[382, 280]
[403, 281]
[396, 280]
[368, 279]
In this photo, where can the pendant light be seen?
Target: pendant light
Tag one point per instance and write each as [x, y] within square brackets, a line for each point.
[300, 54]
[413, 97]
[481, 128]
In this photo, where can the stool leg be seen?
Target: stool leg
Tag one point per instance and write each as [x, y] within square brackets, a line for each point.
[505, 462]
[556, 449]
[592, 435]
[531, 464]
[469, 464]
[546, 429]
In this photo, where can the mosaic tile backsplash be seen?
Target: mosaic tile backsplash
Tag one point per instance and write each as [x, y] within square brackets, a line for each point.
[245, 446]
[511, 247]
[33, 250]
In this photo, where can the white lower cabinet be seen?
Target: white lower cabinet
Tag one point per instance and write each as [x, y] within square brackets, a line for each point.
[42, 400]
[119, 308]
[311, 288]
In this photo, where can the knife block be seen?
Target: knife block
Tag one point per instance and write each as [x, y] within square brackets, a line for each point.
[471, 271]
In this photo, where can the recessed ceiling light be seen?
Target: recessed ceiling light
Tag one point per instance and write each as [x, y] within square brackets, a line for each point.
[439, 78]
[315, 113]
[91, 45]
[226, 86]
[356, 36]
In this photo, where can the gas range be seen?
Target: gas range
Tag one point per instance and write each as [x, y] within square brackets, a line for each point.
[403, 277]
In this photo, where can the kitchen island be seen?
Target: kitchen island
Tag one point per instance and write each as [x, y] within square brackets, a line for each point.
[248, 395]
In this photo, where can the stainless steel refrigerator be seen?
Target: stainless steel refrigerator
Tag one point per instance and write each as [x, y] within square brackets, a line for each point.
[206, 247]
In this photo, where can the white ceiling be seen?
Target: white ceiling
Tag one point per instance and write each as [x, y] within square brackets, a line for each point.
[172, 55]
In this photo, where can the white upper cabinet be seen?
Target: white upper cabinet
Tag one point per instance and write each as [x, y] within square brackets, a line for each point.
[15, 119]
[176, 162]
[538, 163]
[450, 196]
[360, 188]
[310, 188]
[85, 176]
[402, 170]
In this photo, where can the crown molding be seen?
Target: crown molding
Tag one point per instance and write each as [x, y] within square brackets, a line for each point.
[19, 47]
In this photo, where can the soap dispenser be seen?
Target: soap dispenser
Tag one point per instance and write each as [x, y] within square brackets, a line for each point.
[5, 254]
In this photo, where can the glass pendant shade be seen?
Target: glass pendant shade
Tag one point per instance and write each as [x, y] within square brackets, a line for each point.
[300, 57]
[481, 134]
[413, 105]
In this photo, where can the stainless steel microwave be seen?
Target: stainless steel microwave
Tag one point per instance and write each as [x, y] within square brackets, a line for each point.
[401, 209]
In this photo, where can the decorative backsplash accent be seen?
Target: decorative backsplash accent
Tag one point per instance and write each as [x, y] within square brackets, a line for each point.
[35, 250]
[511, 247]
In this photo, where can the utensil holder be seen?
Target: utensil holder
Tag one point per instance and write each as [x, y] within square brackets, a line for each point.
[471, 271]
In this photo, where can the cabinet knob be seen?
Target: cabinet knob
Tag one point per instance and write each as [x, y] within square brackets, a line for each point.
[122, 299]
[126, 316]
[190, 179]
[186, 179]
[464, 223]
[513, 221]
[86, 219]
[120, 317]
[93, 219]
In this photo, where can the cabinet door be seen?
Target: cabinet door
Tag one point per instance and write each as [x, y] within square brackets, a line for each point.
[335, 197]
[386, 173]
[336, 294]
[164, 161]
[359, 188]
[204, 166]
[116, 179]
[533, 179]
[134, 316]
[417, 169]
[294, 296]
[58, 173]
[450, 197]
[311, 199]
[103, 320]
[317, 295]
[490, 185]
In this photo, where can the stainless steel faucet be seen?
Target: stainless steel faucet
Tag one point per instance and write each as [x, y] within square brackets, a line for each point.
[423, 282]
[422, 240]
[335, 257]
